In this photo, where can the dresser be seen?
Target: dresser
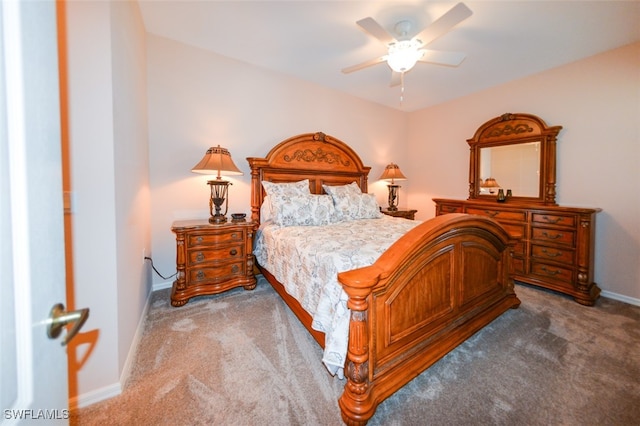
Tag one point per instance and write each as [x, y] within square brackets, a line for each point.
[212, 258]
[555, 245]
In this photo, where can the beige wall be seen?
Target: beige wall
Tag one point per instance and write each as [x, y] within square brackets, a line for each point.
[597, 101]
[198, 99]
[109, 182]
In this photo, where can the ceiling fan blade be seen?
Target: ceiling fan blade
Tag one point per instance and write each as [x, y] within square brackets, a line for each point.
[396, 79]
[453, 17]
[443, 58]
[364, 64]
[372, 27]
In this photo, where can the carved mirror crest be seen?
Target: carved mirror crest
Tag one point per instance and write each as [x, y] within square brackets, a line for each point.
[514, 152]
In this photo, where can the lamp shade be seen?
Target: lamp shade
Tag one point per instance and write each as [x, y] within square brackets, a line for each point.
[217, 161]
[392, 172]
[490, 183]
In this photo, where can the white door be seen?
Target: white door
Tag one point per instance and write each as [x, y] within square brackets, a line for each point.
[33, 368]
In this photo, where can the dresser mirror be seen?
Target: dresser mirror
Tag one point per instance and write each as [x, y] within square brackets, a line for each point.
[515, 152]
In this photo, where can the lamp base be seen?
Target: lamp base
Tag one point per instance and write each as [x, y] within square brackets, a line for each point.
[217, 219]
[392, 208]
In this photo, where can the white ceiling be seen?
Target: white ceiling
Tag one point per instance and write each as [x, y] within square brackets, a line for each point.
[314, 40]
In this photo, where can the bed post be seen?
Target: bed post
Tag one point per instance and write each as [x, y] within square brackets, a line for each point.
[355, 403]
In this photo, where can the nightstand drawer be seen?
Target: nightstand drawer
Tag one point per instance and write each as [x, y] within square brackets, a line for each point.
[219, 273]
[212, 239]
[196, 257]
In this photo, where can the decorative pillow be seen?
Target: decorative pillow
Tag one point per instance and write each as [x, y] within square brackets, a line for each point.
[340, 190]
[305, 210]
[279, 190]
[278, 193]
[356, 206]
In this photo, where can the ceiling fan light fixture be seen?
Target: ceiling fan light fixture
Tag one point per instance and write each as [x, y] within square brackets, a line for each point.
[403, 55]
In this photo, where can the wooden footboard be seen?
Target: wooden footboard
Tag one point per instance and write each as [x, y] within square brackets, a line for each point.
[430, 291]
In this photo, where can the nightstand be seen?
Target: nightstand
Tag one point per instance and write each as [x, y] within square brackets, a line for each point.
[407, 214]
[212, 258]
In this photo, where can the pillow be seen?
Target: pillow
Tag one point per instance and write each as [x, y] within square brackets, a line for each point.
[278, 193]
[305, 210]
[279, 190]
[340, 190]
[356, 206]
[265, 210]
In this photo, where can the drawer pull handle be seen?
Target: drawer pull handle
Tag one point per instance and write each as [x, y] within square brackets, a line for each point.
[552, 237]
[550, 254]
[233, 252]
[550, 272]
[200, 275]
[449, 209]
[234, 269]
[234, 236]
[491, 213]
[552, 220]
[199, 239]
[200, 257]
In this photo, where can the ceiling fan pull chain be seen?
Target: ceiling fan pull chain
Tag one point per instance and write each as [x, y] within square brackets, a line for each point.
[401, 88]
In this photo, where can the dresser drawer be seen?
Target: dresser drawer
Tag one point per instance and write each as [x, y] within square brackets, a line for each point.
[554, 219]
[553, 272]
[515, 230]
[499, 215]
[557, 236]
[518, 248]
[212, 239]
[219, 273]
[213, 254]
[449, 208]
[552, 253]
[517, 265]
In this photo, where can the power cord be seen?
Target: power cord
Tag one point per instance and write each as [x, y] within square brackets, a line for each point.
[156, 271]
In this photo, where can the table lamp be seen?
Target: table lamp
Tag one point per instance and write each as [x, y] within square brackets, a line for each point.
[392, 173]
[217, 161]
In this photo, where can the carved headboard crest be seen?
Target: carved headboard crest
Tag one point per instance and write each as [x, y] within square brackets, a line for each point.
[318, 157]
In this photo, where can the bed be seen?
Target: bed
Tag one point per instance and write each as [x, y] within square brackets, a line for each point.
[425, 293]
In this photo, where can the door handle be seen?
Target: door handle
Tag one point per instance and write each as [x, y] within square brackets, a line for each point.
[59, 317]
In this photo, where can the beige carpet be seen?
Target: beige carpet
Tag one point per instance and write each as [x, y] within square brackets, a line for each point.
[241, 358]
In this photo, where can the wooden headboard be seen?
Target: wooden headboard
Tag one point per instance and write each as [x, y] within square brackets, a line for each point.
[320, 158]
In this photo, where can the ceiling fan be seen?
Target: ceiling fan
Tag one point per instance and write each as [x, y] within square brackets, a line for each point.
[403, 52]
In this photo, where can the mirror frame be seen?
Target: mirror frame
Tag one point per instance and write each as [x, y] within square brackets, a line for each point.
[513, 129]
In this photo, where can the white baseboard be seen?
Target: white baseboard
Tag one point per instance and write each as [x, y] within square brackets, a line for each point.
[161, 286]
[620, 298]
[94, 396]
[115, 389]
[133, 349]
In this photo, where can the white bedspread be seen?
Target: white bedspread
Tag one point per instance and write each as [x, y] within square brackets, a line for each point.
[307, 259]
